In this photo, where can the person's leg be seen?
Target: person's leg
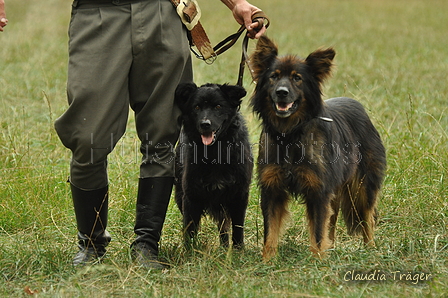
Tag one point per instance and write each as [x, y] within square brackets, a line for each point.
[100, 56]
[161, 61]
[91, 208]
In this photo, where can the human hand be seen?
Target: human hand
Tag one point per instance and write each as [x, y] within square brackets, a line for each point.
[243, 13]
[3, 19]
[256, 29]
[3, 23]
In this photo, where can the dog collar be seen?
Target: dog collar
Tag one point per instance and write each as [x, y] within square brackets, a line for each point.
[326, 119]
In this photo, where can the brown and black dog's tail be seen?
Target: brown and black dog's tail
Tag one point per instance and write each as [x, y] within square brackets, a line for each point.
[359, 200]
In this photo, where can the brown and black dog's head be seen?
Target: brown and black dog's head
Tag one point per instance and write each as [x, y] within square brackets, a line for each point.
[289, 88]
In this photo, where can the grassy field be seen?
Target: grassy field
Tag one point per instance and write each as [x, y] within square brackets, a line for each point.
[391, 55]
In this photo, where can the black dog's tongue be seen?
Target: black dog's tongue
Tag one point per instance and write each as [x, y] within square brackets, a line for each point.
[208, 138]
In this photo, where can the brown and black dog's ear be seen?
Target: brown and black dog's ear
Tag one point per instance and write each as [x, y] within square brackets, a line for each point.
[183, 93]
[265, 53]
[320, 63]
[234, 93]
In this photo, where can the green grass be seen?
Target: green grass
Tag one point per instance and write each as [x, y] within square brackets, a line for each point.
[391, 56]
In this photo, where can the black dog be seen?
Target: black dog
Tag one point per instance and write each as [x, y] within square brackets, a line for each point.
[213, 160]
[327, 152]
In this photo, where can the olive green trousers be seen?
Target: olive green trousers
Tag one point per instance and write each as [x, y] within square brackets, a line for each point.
[122, 56]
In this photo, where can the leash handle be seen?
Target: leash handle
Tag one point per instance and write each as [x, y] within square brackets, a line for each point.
[228, 42]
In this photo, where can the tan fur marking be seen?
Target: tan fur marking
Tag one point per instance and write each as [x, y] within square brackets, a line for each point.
[271, 176]
[308, 178]
[276, 223]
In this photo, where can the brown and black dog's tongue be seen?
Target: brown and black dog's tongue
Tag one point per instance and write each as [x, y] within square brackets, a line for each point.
[207, 139]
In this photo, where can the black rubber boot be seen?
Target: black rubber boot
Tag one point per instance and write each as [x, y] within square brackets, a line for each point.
[152, 203]
[91, 208]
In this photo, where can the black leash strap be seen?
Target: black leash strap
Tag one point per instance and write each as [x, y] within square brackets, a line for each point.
[260, 18]
[244, 60]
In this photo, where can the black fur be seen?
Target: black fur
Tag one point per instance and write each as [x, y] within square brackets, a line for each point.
[213, 160]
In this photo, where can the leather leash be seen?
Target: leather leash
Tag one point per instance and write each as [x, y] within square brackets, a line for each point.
[260, 17]
[189, 12]
[227, 43]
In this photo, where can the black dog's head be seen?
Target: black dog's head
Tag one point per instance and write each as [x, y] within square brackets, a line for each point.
[208, 110]
[288, 86]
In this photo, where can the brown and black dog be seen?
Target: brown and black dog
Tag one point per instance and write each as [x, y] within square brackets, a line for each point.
[326, 152]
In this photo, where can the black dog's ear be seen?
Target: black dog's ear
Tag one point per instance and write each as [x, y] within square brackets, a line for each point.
[183, 93]
[264, 55]
[234, 93]
[320, 63]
